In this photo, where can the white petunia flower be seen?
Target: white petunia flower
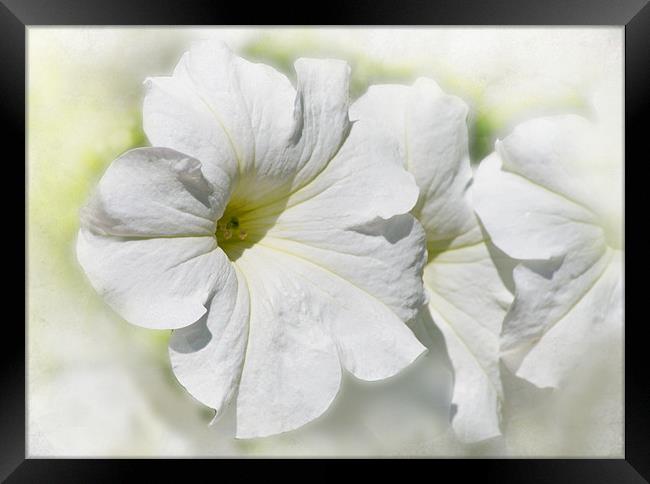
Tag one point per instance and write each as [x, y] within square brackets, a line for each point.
[467, 296]
[551, 196]
[267, 230]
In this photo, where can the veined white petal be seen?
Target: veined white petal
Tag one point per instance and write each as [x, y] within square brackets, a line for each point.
[207, 357]
[537, 198]
[252, 102]
[305, 306]
[546, 290]
[559, 308]
[468, 300]
[161, 283]
[336, 221]
[373, 341]
[386, 105]
[468, 277]
[467, 295]
[361, 183]
[321, 119]
[292, 372]
[570, 156]
[320, 127]
[384, 258]
[151, 192]
[527, 220]
[597, 313]
[175, 116]
[247, 119]
[431, 129]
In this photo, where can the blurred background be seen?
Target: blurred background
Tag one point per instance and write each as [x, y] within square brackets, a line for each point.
[98, 386]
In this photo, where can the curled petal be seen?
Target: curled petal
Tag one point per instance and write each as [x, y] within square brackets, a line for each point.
[207, 357]
[431, 129]
[596, 314]
[350, 221]
[361, 183]
[160, 283]
[468, 300]
[247, 121]
[151, 192]
[463, 276]
[542, 199]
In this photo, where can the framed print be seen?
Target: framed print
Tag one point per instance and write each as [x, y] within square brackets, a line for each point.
[395, 234]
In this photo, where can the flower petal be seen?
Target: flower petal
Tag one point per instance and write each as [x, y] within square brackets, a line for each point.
[251, 102]
[292, 372]
[151, 192]
[570, 298]
[431, 129]
[536, 197]
[321, 112]
[467, 296]
[308, 266]
[373, 341]
[338, 222]
[247, 118]
[556, 151]
[387, 105]
[384, 258]
[175, 116]
[527, 220]
[546, 290]
[468, 300]
[207, 357]
[156, 283]
[304, 318]
[364, 175]
[561, 347]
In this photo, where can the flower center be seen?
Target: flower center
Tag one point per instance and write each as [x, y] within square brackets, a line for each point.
[232, 235]
[240, 228]
[251, 212]
[228, 227]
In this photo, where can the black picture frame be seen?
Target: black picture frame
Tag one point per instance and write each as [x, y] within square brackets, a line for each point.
[17, 15]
